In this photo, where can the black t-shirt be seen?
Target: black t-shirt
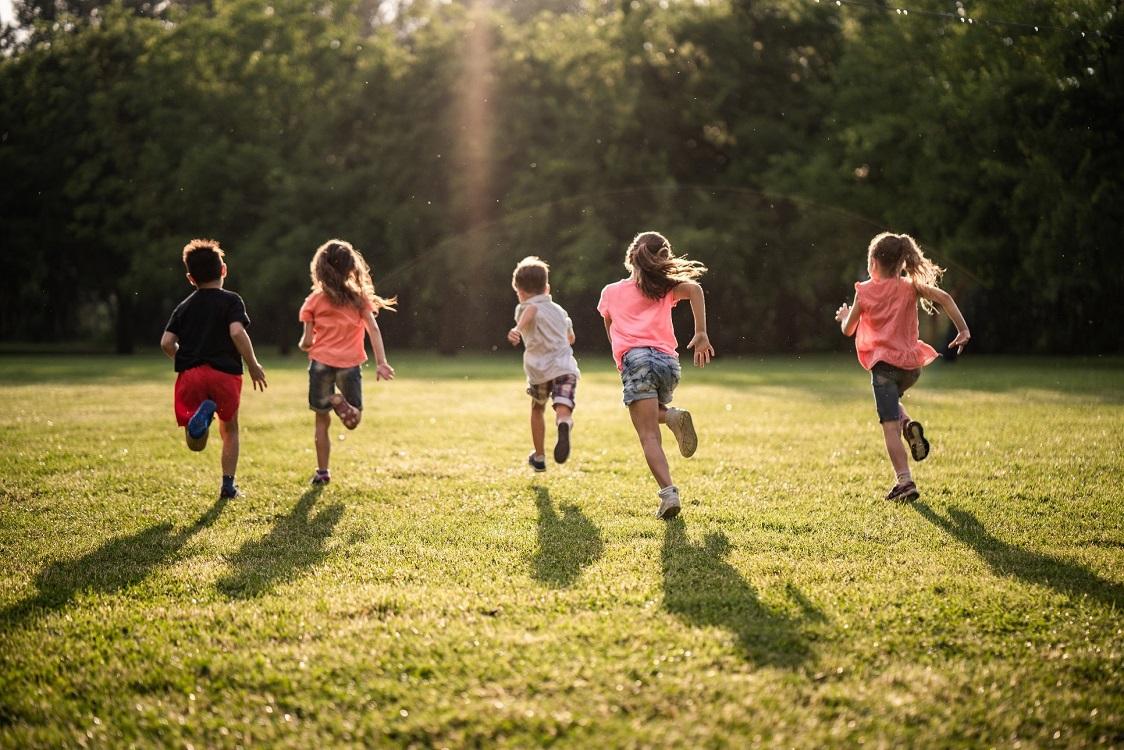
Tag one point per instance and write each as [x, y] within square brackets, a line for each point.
[202, 323]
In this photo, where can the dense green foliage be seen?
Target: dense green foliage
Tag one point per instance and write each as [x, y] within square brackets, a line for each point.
[769, 139]
[439, 594]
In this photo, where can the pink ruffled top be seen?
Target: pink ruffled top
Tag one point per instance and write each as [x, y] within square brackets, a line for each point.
[887, 330]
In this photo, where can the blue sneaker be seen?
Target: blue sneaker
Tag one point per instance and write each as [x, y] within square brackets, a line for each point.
[200, 421]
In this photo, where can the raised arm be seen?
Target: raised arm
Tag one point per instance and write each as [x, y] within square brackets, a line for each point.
[700, 342]
[170, 343]
[245, 347]
[383, 370]
[938, 296]
[848, 316]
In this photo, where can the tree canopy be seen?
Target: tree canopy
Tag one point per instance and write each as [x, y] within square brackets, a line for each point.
[769, 139]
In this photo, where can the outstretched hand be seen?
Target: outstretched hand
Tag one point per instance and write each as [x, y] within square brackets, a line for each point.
[384, 372]
[962, 338]
[514, 337]
[700, 342]
[842, 313]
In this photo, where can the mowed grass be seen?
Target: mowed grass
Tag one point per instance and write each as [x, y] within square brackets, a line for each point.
[438, 593]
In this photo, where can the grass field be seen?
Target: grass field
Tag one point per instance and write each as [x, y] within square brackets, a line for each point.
[439, 594]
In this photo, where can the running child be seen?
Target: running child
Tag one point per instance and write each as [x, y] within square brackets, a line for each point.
[883, 319]
[206, 337]
[341, 308]
[637, 313]
[548, 359]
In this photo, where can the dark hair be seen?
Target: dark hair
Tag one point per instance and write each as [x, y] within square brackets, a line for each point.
[531, 275]
[203, 260]
[900, 253]
[658, 270]
[340, 272]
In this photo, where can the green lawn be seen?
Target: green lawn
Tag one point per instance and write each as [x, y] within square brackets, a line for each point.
[437, 593]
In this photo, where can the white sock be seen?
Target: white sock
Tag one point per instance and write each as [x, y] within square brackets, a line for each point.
[904, 477]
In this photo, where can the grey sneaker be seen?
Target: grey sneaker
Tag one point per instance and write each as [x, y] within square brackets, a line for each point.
[538, 464]
[683, 428]
[905, 492]
[669, 503]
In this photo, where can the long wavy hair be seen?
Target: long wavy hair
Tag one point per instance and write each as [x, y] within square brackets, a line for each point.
[657, 269]
[339, 271]
[898, 254]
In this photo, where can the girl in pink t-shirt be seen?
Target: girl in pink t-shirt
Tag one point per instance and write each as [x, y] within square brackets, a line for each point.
[884, 321]
[637, 314]
[341, 308]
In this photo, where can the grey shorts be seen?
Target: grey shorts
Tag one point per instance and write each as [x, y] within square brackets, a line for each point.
[561, 390]
[889, 383]
[648, 373]
[323, 380]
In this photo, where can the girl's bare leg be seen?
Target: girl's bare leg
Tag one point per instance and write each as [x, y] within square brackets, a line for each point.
[323, 440]
[646, 419]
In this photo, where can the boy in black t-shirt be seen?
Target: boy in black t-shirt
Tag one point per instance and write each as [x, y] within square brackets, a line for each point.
[206, 336]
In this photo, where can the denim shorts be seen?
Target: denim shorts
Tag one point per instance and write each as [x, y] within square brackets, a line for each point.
[561, 390]
[323, 380]
[889, 383]
[648, 373]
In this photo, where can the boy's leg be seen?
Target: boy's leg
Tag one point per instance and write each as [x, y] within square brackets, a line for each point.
[228, 429]
[538, 427]
[645, 416]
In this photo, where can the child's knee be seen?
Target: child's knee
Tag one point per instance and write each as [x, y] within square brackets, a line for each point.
[537, 407]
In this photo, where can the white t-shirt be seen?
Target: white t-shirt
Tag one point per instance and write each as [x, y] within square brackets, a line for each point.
[547, 353]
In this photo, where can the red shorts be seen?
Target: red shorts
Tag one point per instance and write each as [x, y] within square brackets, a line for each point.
[198, 384]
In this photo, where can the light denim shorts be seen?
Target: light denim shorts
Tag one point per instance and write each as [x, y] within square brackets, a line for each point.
[648, 373]
[323, 380]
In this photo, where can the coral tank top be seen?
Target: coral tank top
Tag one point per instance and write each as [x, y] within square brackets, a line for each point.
[887, 330]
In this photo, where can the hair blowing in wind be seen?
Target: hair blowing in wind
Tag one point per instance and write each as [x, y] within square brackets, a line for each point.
[656, 267]
[340, 272]
[900, 253]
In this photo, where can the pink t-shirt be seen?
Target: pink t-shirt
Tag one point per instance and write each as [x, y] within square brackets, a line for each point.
[887, 330]
[337, 331]
[637, 320]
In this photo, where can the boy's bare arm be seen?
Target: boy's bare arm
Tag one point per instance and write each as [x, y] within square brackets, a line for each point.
[521, 326]
[700, 342]
[306, 337]
[848, 316]
[245, 347]
[383, 370]
[170, 343]
[948, 304]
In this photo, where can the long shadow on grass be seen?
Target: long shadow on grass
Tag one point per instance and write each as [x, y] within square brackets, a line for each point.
[566, 544]
[295, 542]
[1007, 560]
[705, 590]
[117, 564]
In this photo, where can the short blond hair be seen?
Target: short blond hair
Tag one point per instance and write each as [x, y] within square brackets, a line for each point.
[531, 275]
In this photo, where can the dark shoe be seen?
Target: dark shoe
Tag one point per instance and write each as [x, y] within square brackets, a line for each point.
[321, 478]
[200, 421]
[229, 492]
[914, 435]
[538, 465]
[906, 492]
[562, 447]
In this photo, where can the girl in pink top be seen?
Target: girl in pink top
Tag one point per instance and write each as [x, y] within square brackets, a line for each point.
[637, 314]
[341, 308]
[883, 319]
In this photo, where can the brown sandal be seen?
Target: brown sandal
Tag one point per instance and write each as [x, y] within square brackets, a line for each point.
[347, 413]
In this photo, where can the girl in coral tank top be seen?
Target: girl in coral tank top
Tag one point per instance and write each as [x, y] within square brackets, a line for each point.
[883, 320]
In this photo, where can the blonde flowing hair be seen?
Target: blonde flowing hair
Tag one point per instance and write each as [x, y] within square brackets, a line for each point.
[339, 271]
[658, 270]
[899, 253]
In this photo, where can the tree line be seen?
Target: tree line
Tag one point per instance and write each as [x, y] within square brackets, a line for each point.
[768, 138]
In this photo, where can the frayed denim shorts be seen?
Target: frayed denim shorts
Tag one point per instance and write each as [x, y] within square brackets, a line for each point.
[323, 380]
[889, 383]
[649, 373]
